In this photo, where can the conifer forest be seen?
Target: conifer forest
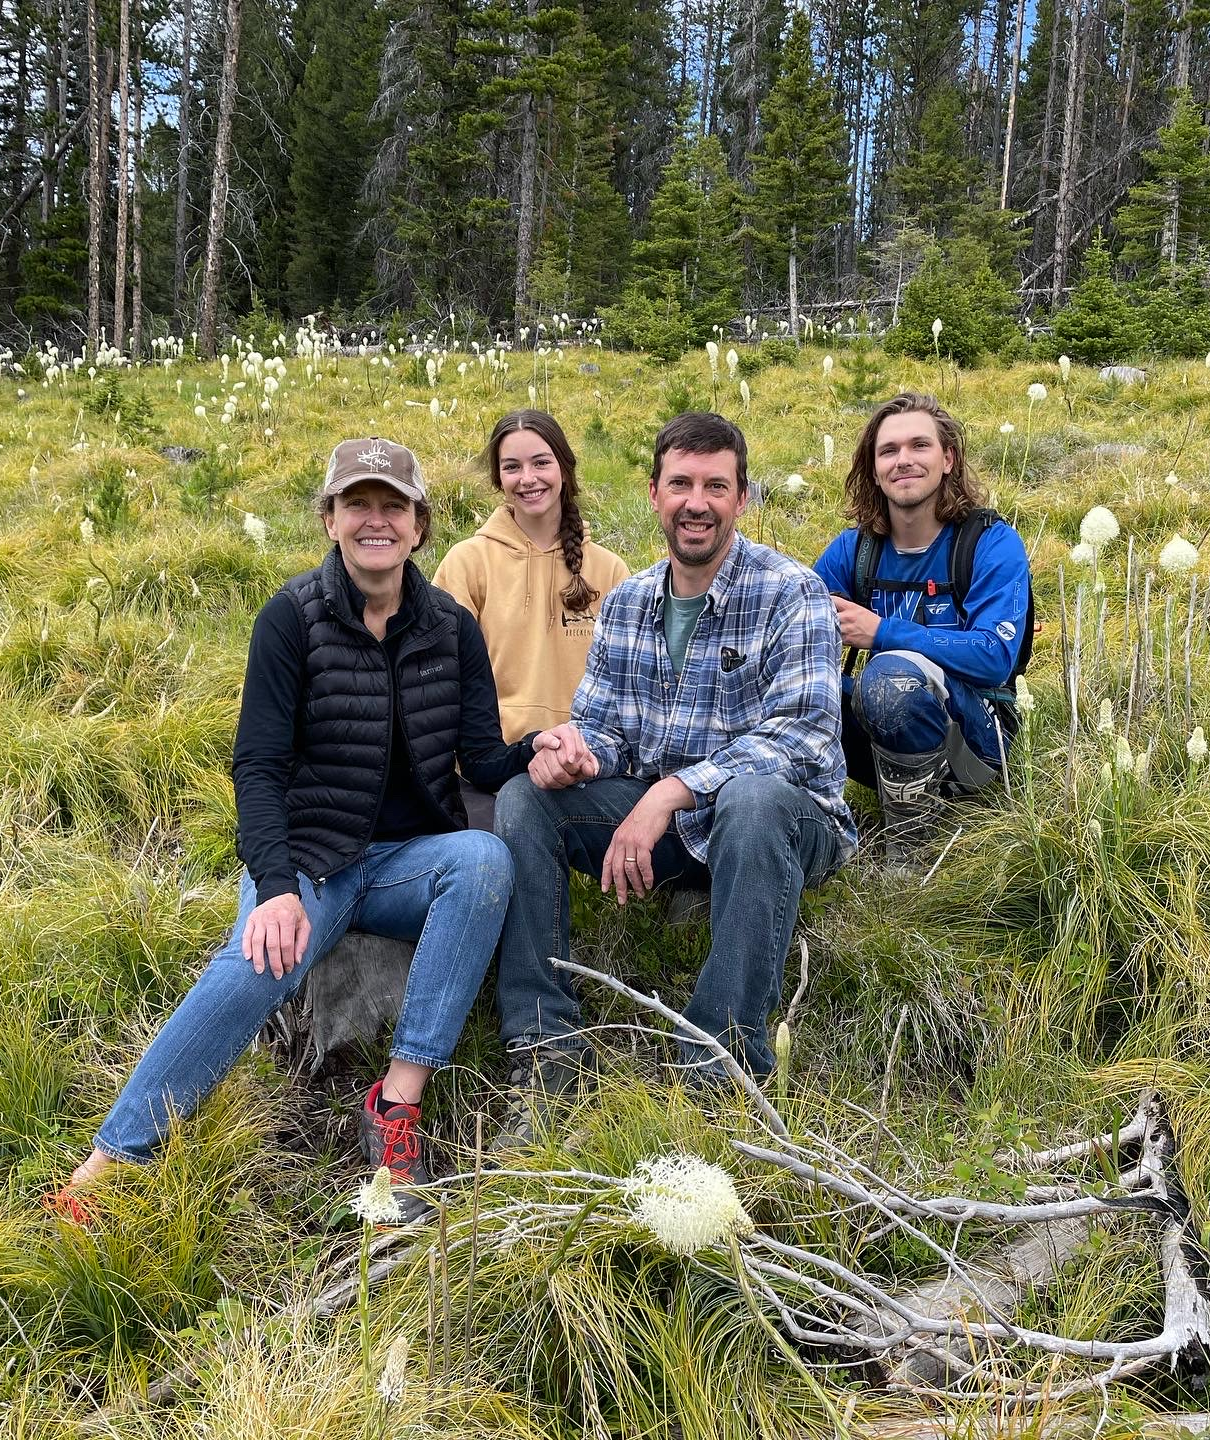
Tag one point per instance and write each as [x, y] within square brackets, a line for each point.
[669, 164]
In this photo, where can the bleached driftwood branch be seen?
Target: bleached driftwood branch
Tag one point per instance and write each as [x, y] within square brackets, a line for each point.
[956, 1327]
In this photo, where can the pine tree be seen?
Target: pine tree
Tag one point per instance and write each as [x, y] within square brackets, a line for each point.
[692, 237]
[584, 237]
[1098, 325]
[800, 171]
[935, 179]
[332, 143]
[1173, 204]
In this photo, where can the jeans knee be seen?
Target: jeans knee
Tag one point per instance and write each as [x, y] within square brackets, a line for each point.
[752, 808]
[518, 807]
[488, 859]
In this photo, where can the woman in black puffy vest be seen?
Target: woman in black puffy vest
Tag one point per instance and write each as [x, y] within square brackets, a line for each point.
[364, 686]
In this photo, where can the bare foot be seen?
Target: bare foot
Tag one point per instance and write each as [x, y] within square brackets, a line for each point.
[96, 1164]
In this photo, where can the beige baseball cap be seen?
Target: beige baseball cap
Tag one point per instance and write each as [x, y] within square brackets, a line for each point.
[374, 459]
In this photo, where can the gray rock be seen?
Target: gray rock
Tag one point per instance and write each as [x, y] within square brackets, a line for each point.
[181, 454]
[1113, 450]
[1124, 374]
[588, 368]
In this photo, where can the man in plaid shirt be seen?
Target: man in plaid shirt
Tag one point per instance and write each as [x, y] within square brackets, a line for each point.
[703, 752]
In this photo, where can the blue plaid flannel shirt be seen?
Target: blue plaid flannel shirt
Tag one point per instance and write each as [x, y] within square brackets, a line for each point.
[775, 709]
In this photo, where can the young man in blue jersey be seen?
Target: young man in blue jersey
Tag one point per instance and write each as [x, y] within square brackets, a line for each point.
[931, 712]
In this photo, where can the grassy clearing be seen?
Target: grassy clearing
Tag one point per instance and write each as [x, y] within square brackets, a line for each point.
[1056, 964]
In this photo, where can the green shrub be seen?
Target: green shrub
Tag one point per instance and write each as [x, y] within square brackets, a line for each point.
[638, 322]
[936, 293]
[108, 506]
[207, 483]
[1176, 317]
[1097, 326]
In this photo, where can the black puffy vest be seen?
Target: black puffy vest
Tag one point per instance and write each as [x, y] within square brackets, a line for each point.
[344, 726]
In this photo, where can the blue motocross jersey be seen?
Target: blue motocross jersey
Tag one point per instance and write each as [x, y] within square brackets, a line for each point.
[979, 645]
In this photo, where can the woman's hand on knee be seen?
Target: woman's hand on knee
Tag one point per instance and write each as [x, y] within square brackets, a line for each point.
[277, 933]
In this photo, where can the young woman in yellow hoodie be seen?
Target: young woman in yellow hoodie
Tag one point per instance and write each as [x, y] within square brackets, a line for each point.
[530, 575]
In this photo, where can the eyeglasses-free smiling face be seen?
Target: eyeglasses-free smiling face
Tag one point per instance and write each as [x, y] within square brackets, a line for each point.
[375, 527]
[909, 459]
[697, 502]
[529, 474]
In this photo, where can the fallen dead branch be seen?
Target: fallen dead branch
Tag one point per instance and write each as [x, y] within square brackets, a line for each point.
[954, 1333]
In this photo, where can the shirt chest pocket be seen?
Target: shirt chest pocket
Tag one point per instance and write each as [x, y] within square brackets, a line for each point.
[739, 707]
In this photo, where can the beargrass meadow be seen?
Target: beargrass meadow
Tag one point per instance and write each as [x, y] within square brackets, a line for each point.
[947, 1036]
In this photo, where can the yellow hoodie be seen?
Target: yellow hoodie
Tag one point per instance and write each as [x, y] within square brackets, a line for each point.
[537, 647]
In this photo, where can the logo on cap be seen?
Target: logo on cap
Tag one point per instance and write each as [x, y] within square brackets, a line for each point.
[376, 458]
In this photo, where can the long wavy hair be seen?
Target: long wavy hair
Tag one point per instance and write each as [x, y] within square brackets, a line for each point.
[578, 595]
[960, 491]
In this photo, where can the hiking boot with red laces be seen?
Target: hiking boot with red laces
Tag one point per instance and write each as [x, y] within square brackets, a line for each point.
[392, 1138]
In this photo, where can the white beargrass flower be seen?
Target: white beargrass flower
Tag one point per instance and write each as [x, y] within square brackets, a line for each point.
[88, 531]
[1026, 704]
[937, 328]
[255, 529]
[375, 1201]
[829, 451]
[1036, 392]
[200, 411]
[1099, 527]
[745, 394]
[828, 362]
[1082, 554]
[394, 1378]
[533, 395]
[1171, 478]
[712, 356]
[1178, 556]
[1094, 829]
[1196, 747]
[1123, 760]
[430, 369]
[1008, 428]
[435, 408]
[1065, 367]
[686, 1203]
[1105, 719]
[732, 358]
[794, 483]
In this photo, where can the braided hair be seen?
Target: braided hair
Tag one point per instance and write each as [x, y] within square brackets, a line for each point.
[579, 594]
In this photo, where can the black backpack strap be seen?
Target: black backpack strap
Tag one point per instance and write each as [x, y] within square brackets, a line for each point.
[962, 565]
[865, 567]
[962, 551]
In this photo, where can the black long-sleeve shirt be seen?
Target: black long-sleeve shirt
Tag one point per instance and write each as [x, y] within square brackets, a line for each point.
[265, 742]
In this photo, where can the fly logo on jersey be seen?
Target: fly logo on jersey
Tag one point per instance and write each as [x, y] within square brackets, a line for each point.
[907, 605]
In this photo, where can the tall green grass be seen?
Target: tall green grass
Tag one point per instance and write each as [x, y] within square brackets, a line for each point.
[1055, 965]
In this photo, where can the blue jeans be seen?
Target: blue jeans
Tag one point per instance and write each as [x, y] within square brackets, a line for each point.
[895, 703]
[447, 892]
[769, 839]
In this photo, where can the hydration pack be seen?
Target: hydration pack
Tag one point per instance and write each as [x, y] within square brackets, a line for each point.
[961, 565]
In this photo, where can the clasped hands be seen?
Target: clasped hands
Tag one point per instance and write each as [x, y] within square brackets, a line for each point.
[562, 758]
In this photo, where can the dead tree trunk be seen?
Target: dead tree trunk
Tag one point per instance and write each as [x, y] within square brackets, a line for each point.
[1010, 122]
[212, 271]
[529, 164]
[94, 182]
[1073, 119]
[1048, 121]
[136, 200]
[119, 249]
[184, 94]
